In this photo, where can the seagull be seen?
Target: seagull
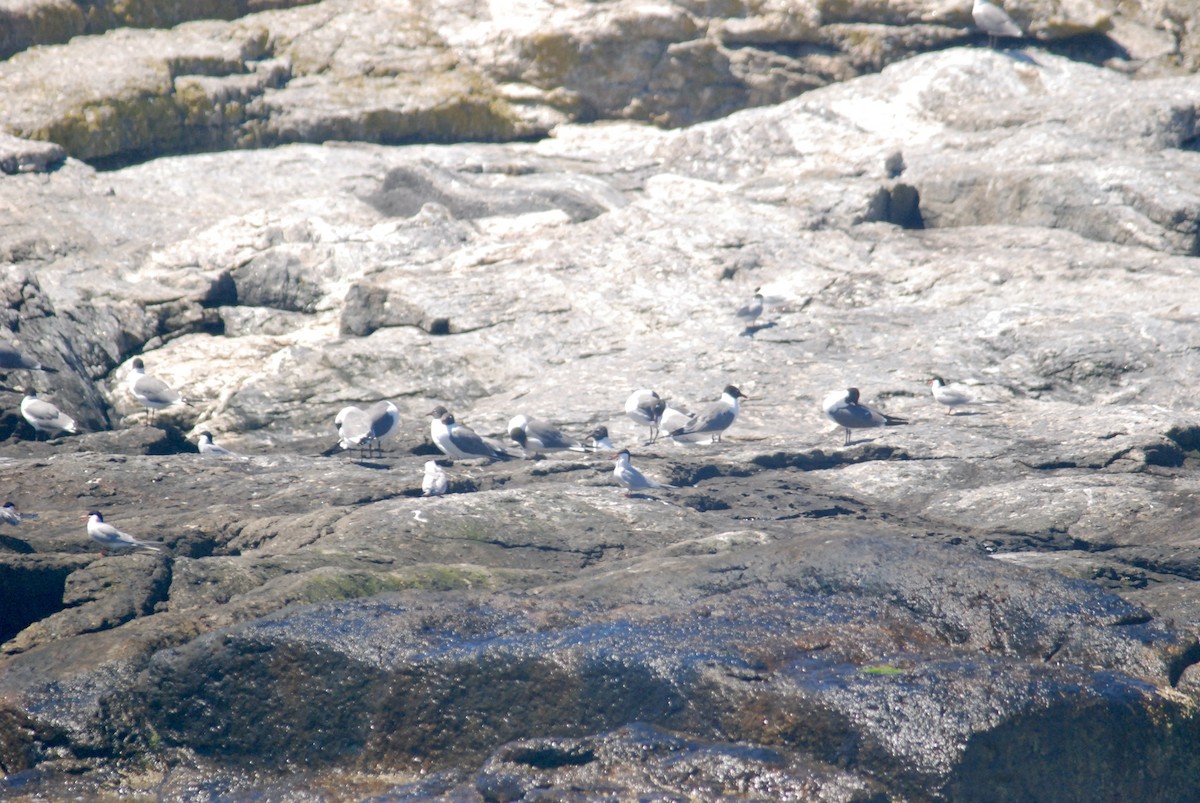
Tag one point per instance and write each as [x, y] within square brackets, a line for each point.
[713, 419]
[109, 537]
[950, 395]
[354, 429]
[44, 416]
[151, 391]
[13, 360]
[843, 409]
[10, 515]
[383, 416]
[459, 441]
[630, 477]
[993, 21]
[749, 313]
[207, 447]
[434, 482]
[599, 439]
[675, 417]
[645, 407]
[536, 436]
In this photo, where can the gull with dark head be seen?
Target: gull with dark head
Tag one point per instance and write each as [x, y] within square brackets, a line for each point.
[109, 537]
[536, 436]
[599, 439]
[713, 419]
[458, 441]
[632, 479]
[150, 391]
[844, 409]
[44, 416]
[646, 408]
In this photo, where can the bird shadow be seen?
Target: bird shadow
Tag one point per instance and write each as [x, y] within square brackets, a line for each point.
[751, 331]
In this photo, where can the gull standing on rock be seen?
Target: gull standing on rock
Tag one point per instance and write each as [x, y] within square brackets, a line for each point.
[384, 417]
[458, 441]
[434, 483]
[152, 392]
[630, 477]
[44, 416]
[713, 419]
[950, 395]
[354, 429]
[645, 407]
[844, 409]
[993, 21]
[10, 515]
[207, 447]
[109, 537]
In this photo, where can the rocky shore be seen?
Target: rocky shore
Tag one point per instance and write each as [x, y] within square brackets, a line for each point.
[288, 208]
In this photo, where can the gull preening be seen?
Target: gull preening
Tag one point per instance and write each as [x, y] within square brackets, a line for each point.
[951, 396]
[150, 391]
[630, 477]
[354, 429]
[459, 441]
[434, 483]
[109, 537]
[993, 21]
[384, 417]
[44, 416]
[711, 420]
[845, 410]
[646, 408]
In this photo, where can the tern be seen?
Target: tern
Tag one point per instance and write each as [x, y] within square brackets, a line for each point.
[44, 416]
[152, 392]
[950, 395]
[459, 441]
[630, 477]
[207, 447]
[844, 409]
[434, 483]
[993, 21]
[10, 515]
[645, 407]
[713, 419]
[109, 537]
[748, 313]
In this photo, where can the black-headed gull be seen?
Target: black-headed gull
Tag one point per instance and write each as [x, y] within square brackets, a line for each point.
[713, 419]
[44, 416]
[599, 439]
[150, 391]
[459, 441]
[845, 410]
[109, 537]
[630, 477]
[13, 360]
[536, 436]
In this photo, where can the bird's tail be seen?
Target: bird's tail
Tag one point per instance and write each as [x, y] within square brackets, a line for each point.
[892, 421]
